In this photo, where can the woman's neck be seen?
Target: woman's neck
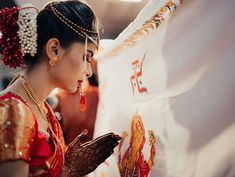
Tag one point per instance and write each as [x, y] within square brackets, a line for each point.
[40, 83]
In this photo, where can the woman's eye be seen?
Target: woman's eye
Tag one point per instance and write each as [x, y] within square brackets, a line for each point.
[88, 58]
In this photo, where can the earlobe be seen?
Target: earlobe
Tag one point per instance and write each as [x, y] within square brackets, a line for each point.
[53, 61]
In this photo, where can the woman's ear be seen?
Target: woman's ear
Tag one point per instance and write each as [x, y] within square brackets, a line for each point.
[52, 48]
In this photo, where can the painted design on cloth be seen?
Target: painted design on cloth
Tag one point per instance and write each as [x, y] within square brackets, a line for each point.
[132, 163]
[152, 24]
[136, 77]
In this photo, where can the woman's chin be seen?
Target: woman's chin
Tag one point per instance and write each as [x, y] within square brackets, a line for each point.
[75, 90]
[72, 89]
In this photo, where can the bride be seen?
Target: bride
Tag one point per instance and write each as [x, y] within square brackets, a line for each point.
[54, 47]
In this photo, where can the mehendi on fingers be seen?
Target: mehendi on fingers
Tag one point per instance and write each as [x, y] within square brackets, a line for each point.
[81, 159]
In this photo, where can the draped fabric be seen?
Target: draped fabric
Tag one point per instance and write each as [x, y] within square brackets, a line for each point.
[21, 139]
[167, 86]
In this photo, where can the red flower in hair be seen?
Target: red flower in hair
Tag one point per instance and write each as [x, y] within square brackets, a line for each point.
[9, 41]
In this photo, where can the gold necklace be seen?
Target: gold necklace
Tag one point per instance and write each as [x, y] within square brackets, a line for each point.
[42, 109]
[29, 90]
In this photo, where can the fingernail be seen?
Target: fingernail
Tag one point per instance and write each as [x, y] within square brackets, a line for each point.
[85, 132]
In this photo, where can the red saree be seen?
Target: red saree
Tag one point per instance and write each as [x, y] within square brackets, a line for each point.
[21, 138]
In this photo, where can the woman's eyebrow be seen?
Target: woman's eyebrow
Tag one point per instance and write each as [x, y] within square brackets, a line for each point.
[92, 54]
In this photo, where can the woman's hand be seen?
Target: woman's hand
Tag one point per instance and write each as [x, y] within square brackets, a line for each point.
[81, 159]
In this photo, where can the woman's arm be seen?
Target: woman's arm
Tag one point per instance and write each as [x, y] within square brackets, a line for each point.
[17, 168]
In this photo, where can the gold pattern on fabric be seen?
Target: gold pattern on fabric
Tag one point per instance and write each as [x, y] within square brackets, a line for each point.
[17, 127]
[152, 24]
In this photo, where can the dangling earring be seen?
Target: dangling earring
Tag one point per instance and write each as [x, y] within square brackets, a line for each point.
[83, 85]
[53, 61]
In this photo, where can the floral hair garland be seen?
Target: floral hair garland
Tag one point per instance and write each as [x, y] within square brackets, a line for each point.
[18, 34]
[9, 41]
[27, 33]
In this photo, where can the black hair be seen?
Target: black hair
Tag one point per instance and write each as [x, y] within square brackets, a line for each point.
[50, 26]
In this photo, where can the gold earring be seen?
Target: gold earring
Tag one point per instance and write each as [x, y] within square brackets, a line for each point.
[53, 61]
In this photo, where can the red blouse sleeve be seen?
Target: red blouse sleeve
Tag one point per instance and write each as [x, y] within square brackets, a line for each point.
[17, 130]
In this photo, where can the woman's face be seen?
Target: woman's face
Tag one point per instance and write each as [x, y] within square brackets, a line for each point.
[67, 74]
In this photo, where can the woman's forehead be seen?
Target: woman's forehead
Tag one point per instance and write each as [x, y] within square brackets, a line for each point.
[91, 48]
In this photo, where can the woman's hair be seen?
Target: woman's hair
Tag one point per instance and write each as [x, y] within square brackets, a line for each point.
[68, 21]
[51, 26]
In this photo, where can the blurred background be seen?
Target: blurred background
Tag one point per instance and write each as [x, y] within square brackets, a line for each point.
[114, 15]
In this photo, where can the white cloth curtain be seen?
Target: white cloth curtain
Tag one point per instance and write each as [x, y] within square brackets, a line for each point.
[185, 72]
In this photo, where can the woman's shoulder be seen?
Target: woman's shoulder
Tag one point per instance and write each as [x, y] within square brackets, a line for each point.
[18, 128]
[15, 109]
[7, 95]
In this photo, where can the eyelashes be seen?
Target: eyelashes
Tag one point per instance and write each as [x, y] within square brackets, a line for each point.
[88, 58]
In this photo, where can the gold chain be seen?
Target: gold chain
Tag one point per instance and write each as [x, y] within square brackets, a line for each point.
[42, 109]
[67, 21]
[79, 27]
[27, 87]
